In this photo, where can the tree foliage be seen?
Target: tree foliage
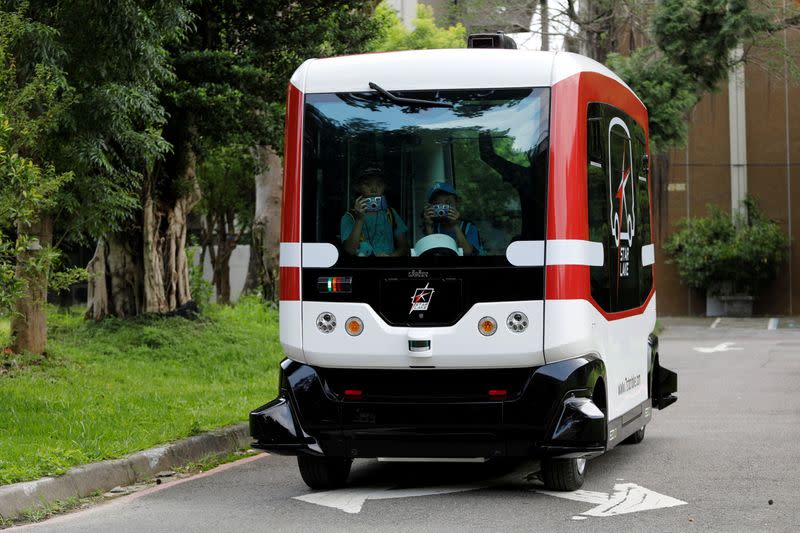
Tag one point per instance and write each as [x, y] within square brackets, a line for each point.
[114, 64]
[393, 35]
[690, 54]
[666, 89]
[31, 100]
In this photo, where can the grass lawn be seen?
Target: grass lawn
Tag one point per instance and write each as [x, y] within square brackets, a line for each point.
[111, 388]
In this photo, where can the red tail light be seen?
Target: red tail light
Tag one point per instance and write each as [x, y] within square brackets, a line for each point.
[353, 394]
[498, 394]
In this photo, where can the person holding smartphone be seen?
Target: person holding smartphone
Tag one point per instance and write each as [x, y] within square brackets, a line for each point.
[371, 227]
[441, 215]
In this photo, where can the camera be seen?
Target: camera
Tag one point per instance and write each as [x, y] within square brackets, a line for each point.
[374, 203]
[441, 210]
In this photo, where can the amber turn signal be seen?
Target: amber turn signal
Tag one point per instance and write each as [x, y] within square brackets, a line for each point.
[487, 326]
[354, 326]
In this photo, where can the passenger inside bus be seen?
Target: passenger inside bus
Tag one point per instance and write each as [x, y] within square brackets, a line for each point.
[442, 215]
[371, 227]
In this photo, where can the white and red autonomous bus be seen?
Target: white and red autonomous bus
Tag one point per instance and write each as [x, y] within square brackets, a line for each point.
[542, 344]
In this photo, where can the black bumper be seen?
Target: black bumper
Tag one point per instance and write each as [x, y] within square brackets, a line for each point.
[546, 411]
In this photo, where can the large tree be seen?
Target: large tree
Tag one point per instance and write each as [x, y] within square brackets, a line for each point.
[29, 100]
[112, 65]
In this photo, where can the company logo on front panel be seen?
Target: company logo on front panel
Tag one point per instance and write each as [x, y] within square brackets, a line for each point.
[421, 299]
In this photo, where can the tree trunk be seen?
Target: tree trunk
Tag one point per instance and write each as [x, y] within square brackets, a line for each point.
[252, 280]
[29, 323]
[166, 267]
[267, 222]
[226, 243]
[147, 271]
[222, 278]
[115, 279]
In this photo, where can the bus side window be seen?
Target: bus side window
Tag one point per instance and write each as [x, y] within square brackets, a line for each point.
[598, 193]
[619, 207]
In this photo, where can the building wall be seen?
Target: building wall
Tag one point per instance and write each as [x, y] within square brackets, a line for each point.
[701, 175]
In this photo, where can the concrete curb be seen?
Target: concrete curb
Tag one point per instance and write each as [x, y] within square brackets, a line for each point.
[103, 476]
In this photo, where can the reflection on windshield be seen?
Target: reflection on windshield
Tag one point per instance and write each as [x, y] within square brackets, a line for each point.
[487, 155]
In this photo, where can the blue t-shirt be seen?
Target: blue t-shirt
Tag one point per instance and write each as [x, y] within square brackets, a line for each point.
[471, 233]
[376, 231]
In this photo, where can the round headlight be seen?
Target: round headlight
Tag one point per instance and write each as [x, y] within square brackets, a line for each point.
[517, 322]
[326, 322]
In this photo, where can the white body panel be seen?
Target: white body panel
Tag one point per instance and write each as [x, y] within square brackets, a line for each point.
[442, 69]
[559, 252]
[457, 346]
[576, 327]
[290, 314]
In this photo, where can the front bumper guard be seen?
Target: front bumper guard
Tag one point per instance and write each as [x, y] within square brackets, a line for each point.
[561, 423]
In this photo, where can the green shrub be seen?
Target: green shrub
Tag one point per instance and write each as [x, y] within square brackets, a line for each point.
[201, 288]
[718, 253]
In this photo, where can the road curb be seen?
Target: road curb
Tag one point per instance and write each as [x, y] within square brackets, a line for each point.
[84, 480]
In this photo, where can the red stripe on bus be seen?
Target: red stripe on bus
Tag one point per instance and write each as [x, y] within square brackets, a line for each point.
[290, 283]
[292, 166]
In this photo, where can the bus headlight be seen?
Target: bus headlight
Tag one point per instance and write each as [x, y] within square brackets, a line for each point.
[517, 322]
[326, 322]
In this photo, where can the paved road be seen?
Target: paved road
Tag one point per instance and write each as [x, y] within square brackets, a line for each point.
[729, 446]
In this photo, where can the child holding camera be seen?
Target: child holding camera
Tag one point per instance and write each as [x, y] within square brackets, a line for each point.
[372, 228]
[441, 216]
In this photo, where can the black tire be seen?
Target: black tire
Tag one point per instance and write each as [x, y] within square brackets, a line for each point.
[636, 438]
[324, 473]
[563, 474]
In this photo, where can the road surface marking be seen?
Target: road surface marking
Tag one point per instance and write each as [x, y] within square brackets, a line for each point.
[724, 347]
[716, 323]
[353, 499]
[773, 323]
[627, 498]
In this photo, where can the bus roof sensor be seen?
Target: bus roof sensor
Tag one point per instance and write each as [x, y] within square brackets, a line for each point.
[491, 40]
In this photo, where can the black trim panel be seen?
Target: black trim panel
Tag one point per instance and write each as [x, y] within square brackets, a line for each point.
[629, 423]
[457, 288]
[435, 413]
[663, 382]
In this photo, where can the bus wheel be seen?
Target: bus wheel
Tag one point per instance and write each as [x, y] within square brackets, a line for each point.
[563, 474]
[321, 473]
[636, 438]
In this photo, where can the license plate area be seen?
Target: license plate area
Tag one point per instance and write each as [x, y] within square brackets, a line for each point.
[414, 302]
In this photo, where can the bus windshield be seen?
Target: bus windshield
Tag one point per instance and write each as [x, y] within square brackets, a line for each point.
[381, 174]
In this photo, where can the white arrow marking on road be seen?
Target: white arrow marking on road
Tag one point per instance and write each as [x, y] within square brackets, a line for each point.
[627, 498]
[351, 500]
[724, 347]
